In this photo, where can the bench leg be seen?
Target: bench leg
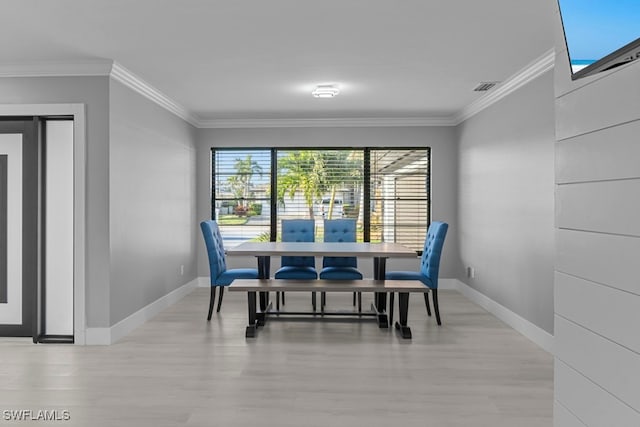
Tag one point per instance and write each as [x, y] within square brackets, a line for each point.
[379, 306]
[403, 304]
[251, 327]
[264, 302]
[391, 297]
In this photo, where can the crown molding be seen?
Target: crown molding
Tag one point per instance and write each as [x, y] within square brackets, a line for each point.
[56, 69]
[120, 74]
[532, 71]
[327, 122]
[139, 85]
[98, 68]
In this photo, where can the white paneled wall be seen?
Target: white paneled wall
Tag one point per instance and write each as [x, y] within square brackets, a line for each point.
[597, 281]
[599, 206]
[610, 259]
[599, 155]
[619, 324]
[595, 405]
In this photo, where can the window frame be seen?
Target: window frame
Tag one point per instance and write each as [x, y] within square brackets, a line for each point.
[366, 181]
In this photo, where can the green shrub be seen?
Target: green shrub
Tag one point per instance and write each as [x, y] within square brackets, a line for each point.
[255, 209]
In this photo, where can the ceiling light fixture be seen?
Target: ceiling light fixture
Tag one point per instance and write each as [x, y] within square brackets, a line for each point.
[325, 91]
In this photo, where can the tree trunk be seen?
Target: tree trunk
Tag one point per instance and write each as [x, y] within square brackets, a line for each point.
[332, 201]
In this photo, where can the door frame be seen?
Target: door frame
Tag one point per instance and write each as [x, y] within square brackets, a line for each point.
[78, 111]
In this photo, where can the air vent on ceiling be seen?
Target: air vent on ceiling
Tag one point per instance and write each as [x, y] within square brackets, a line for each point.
[485, 86]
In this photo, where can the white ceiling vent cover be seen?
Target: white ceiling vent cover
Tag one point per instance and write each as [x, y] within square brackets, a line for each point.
[485, 86]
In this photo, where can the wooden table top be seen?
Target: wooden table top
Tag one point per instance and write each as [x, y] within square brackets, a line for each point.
[385, 250]
[320, 285]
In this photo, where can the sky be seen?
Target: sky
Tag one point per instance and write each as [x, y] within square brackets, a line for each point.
[595, 28]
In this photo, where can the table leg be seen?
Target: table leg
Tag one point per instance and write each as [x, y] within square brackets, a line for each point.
[379, 271]
[251, 327]
[403, 305]
[264, 265]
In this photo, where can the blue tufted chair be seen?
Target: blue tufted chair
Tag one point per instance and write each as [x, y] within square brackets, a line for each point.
[339, 268]
[220, 276]
[429, 265]
[298, 267]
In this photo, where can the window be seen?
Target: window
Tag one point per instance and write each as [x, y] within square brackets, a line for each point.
[386, 191]
[399, 192]
[241, 194]
[320, 184]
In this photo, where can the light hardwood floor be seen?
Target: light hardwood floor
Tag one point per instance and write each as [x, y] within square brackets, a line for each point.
[179, 370]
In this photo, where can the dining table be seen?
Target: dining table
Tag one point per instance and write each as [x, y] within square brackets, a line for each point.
[380, 252]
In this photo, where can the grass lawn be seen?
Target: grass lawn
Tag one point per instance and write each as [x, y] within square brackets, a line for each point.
[232, 220]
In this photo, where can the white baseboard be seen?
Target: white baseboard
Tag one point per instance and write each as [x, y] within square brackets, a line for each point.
[107, 336]
[451, 284]
[203, 281]
[536, 334]
[97, 336]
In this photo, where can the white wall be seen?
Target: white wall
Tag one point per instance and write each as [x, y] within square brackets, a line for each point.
[597, 286]
[505, 201]
[444, 171]
[94, 93]
[152, 208]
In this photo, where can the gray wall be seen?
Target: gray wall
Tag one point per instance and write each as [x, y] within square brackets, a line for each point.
[152, 210]
[505, 201]
[94, 92]
[597, 285]
[444, 170]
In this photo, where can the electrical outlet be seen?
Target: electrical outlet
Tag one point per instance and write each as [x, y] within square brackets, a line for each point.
[182, 270]
[471, 272]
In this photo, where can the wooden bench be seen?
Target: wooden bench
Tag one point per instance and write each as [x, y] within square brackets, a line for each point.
[380, 287]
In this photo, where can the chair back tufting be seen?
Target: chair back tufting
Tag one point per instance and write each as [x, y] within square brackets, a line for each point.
[298, 230]
[215, 249]
[430, 263]
[340, 230]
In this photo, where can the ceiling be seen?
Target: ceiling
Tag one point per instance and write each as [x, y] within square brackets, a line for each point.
[257, 59]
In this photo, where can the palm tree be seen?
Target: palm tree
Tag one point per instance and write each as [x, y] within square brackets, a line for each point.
[240, 183]
[346, 170]
[302, 171]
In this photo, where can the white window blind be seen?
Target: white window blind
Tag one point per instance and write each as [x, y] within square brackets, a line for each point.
[319, 185]
[400, 196]
[385, 191]
[241, 194]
